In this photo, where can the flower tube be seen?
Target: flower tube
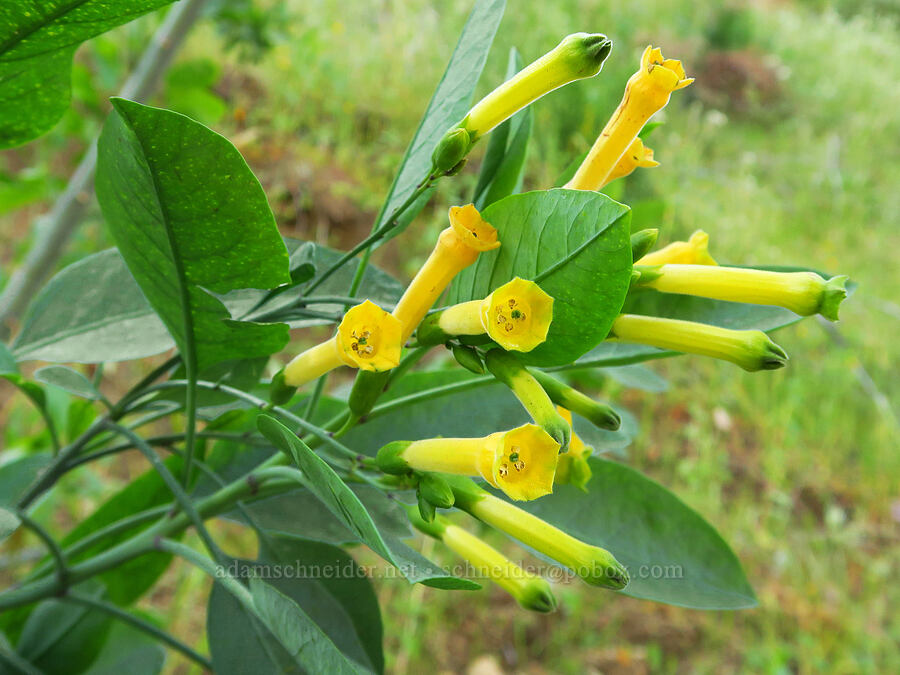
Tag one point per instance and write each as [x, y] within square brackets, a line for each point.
[367, 338]
[804, 293]
[752, 350]
[516, 316]
[593, 564]
[458, 247]
[529, 590]
[521, 462]
[578, 56]
[636, 156]
[694, 251]
[599, 414]
[646, 93]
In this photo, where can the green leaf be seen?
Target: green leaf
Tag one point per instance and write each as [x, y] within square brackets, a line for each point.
[448, 104]
[190, 220]
[576, 245]
[734, 315]
[346, 507]
[504, 160]
[93, 310]
[324, 581]
[18, 475]
[61, 637]
[477, 411]
[636, 376]
[672, 554]
[68, 380]
[298, 634]
[128, 650]
[9, 523]
[37, 41]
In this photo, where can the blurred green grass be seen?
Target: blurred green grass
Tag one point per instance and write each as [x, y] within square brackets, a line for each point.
[785, 151]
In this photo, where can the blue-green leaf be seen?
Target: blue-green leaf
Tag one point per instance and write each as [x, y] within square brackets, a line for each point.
[68, 380]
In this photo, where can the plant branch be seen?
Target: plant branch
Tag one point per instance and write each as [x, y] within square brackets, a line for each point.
[59, 558]
[140, 624]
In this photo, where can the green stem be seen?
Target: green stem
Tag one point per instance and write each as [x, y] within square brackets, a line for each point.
[190, 404]
[376, 235]
[139, 624]
[59, 558]
[215, 572]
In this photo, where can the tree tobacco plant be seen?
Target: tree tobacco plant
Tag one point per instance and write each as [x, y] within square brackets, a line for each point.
[519, 288]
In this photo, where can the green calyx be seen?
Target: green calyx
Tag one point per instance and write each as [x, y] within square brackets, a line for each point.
[434, 488]
[642, 242]
[537, 596]
[761, 353]
[279, 392]
[390, 460]
[468, 358]
[834, 293]
[429, 332]
[465, 491]
[426, 508]
[450, 152]
[584, 53]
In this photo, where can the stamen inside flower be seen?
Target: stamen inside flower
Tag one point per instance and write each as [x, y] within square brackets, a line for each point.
[360, 343]
[526, 459]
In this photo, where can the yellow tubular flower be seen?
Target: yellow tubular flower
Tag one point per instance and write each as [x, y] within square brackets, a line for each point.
[530, 591]
[637, 155]
[694, 251]
[804, 293]
[516, 316]
[367, 338]
[573, 466]
[646, 93]
[458, 247]
[521, 462]
[752, 350]
[593, 564]
[578, 56]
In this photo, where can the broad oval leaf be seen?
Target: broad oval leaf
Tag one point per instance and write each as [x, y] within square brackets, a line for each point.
[190, 220]
[576, 245]
[346, 507]
[94, 311]
[37, 41]
[672, 554]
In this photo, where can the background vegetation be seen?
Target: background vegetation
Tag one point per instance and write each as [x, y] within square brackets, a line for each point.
[784, 151]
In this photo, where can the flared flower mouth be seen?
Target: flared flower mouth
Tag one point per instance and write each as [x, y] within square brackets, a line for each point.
[369, 338]
[517, 315]
[473, 230]
[641, 155]
[525, 460]
[666, 73]
[694, 251]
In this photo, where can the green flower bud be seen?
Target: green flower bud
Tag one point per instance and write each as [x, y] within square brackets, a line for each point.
[436, 490]
[426, 508]
[279, 392]
[450, 152]
[642, 242]
[468, 358]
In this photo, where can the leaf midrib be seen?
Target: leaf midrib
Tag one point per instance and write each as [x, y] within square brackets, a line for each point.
[190, 352]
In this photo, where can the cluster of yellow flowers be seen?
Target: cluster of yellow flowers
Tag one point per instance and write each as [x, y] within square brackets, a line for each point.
[527, 461]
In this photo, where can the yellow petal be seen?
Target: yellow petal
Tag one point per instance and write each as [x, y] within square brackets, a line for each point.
[524, 462]
[370, 338]
[473, 230]
[517, 315]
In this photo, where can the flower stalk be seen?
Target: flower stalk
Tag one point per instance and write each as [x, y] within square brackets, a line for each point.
[752, 350]
[646, 93]
[529, 590]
